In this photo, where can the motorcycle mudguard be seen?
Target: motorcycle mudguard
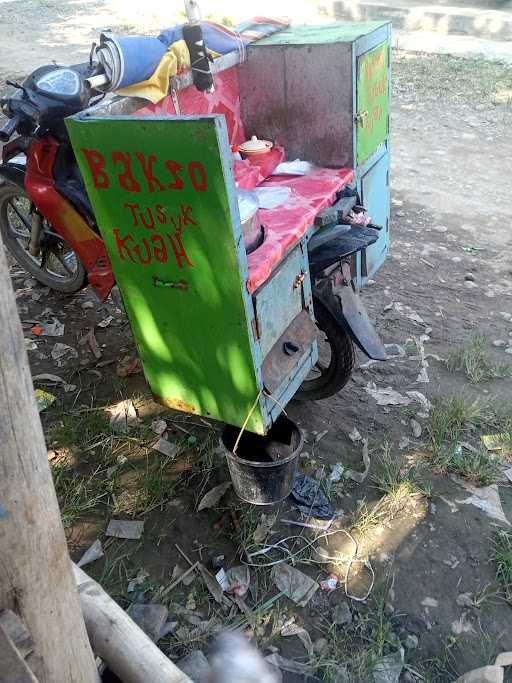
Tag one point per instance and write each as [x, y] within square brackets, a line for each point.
[336, 292]
[13, 173]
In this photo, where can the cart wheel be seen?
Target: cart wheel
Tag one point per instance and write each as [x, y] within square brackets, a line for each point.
[336, 358]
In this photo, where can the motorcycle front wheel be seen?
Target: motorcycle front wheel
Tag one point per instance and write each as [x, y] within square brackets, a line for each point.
[336, 358]
[56, 266]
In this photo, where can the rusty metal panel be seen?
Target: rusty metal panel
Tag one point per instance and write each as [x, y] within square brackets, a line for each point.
[302, 97]
[279, 363]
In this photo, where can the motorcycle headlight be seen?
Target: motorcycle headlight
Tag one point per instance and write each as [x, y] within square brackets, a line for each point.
[59, 82]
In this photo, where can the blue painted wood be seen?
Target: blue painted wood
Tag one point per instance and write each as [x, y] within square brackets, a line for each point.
[374, 190]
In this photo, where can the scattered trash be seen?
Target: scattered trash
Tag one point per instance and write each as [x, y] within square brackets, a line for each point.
[462, 625]
[354, 435]
[294, 584]
[222, 579]
[159, 426]
[43, 399]
[508, 474]
[321, 435]
[465, 600]
[125, 528]
[359, 477]
[106, 322]
[404, 443]
[62, 353]
[167, 448]
[330, 583]
[211, 583]
[195, 666]
[91, 341]
[123, 416]
[485, 674]
[290, 628]
[212, 498]
[53, 329]
[93, 553]
[151, 618]
[238, 580]
[430, 602]
[389, 668]
[264, 527]
[394, 351]
[336, 473]
[416, 428]
[308, 525]
[30, 345]
[486, 498]
[406, 311]
[127, 366]
[288, 664]
[498, 442]
[48, 378]
[142, 575]
[389, 396]
[310, 498]
[186, 577]
[87, 305]
[504, 659]
[342, 615]
[411, 641]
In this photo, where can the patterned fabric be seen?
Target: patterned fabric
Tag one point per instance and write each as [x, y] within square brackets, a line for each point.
[224, 100]
[286, 224]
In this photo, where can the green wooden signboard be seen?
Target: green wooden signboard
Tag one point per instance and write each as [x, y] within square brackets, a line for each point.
[160, 188]
[372, 101]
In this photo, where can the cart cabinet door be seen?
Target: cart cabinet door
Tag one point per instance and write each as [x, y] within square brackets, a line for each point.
[374, 189]
[163, 196]
[372, 117]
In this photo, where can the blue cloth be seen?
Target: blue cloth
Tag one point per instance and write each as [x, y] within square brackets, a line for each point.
[136, 57]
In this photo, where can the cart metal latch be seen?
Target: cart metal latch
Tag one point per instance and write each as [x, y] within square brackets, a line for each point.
[361, 117]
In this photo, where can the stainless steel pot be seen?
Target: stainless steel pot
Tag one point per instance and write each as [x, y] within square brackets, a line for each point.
[251, 226]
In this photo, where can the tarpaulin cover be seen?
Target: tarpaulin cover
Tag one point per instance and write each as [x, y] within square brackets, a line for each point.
[129, 59]
[224, 100]
[286, 224]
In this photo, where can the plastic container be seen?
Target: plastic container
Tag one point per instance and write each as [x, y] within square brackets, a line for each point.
[264, 467]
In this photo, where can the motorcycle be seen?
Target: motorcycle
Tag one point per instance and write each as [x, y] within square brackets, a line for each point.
[47, 223]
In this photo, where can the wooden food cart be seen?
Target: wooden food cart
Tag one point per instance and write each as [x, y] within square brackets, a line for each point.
[222, 333]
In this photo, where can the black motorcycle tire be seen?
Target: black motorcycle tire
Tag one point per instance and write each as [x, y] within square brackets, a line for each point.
[337, 373]
[69, 285]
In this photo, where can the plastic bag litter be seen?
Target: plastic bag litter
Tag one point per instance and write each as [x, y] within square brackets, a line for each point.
[272, 197]
[310, 498]
[43, 399]
[296, 585]
[296, 167]
[359, 477]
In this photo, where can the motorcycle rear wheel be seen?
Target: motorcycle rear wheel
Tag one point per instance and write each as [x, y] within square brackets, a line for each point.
[57, 266]
[336, 358]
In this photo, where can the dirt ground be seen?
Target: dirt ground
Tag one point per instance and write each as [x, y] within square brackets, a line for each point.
[443, 591]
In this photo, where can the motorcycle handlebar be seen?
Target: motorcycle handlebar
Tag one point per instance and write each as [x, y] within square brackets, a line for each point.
[8, 129]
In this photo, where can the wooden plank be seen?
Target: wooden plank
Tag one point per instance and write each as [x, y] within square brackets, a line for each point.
[35, 574]
[117, 639]
[13, 668]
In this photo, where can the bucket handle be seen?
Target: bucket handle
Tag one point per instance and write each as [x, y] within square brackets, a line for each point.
[251, 411]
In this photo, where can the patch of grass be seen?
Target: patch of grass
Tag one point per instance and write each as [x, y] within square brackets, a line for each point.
[366, 517]
[78, 430]
[395, 479]
[360, 648]
[78, 493]
[475, 362]
[449, 419]
[502, 557]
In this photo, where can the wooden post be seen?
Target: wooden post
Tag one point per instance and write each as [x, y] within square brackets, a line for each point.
[36, 579]
[117, 639]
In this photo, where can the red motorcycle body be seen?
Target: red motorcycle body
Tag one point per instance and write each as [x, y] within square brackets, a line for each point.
[65, 220]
